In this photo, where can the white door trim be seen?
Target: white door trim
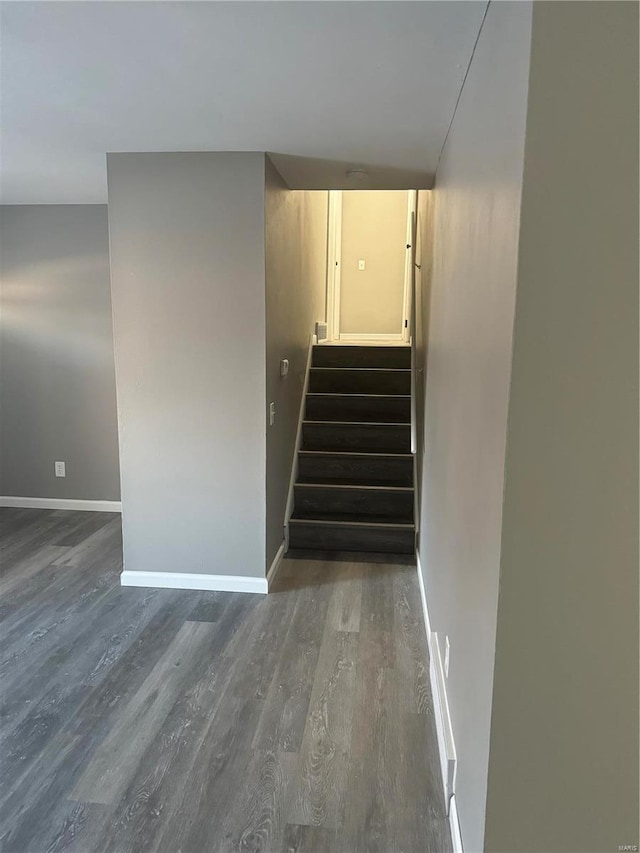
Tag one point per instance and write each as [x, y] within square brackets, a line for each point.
[334, 251]
[412, 206]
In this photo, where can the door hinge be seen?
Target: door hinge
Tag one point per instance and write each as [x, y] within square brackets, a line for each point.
[406, 323]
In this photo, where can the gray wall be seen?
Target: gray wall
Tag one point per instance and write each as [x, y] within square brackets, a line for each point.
[424, 262]
[57, 380]
[563, 770]
[477, 204]
[187, 266]
[295, 287]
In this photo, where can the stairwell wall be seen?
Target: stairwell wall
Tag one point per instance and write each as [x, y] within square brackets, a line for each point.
[563, 771]
[295, 293]
[422, 308]
[476, 217]
[187, 275]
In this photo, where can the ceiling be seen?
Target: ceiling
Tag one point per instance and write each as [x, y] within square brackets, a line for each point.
[326, 84]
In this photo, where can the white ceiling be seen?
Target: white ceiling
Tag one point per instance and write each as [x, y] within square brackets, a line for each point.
[360, 83]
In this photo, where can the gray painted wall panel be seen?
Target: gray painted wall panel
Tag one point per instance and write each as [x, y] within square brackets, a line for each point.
[187, 257]
[295, 287]
[473, 285]
[57, 381]
[563, 773]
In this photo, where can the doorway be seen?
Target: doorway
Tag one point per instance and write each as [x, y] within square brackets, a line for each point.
[369, 265]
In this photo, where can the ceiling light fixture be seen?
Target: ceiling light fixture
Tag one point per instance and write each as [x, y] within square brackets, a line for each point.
[357, 174]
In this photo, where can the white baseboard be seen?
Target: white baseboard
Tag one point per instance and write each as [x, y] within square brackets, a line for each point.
[454, 826]
[188, 580]
[372, 337]
[61, 503]
[446, 746]
[444, 729]
[275, 565]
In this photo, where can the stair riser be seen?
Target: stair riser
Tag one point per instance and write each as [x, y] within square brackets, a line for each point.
[359, 382]
[346, 408]
[326, 537]
[358, 437]
[374, 471]
[354, 501]
[337, 356]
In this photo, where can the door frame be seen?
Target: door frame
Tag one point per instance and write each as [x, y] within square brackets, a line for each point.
[334, 252]
[334, 260]
[412, 208]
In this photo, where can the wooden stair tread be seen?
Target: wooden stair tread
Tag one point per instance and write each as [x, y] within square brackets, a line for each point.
[335, 481]
[357, 394]
[351, 520]
[358, 423]
[366, 369]
[355, 486]
[356, 453]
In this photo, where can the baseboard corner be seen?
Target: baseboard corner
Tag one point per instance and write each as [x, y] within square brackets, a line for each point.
[196, 581]
[454, 826]
[444, 728]
[275, 565]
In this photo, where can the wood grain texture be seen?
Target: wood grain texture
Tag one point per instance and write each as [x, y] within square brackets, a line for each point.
[368, 468]
[362, 356]
[378, 438]
[323, 765]
[343, 380]
[111, 767]
[166, 720]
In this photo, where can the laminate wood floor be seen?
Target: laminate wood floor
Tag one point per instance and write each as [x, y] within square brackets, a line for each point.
[192, 722]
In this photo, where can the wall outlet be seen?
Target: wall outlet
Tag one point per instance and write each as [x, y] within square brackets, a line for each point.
[272, 414]
[446, 657]
[60, 469]
[361, 264]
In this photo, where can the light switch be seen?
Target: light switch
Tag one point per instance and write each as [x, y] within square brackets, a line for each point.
[361, 264]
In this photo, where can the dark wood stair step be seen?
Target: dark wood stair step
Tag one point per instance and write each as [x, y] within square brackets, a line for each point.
[359, 407]
[317, 466]
[377, 437]
[359, 380]
[332, 355]
[390, 503]
[351, 535]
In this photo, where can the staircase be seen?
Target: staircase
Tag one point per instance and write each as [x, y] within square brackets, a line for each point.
[354, 490]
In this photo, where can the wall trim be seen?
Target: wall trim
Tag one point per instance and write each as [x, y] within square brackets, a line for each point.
[275, 565]
[334, 261]
[189, 580]
[288, 510]
[454, 826]
[61, 503]
[361, 336]
[444, 729]
[408, 296]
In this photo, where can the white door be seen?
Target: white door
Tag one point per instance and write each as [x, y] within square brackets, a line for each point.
[369, 264]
